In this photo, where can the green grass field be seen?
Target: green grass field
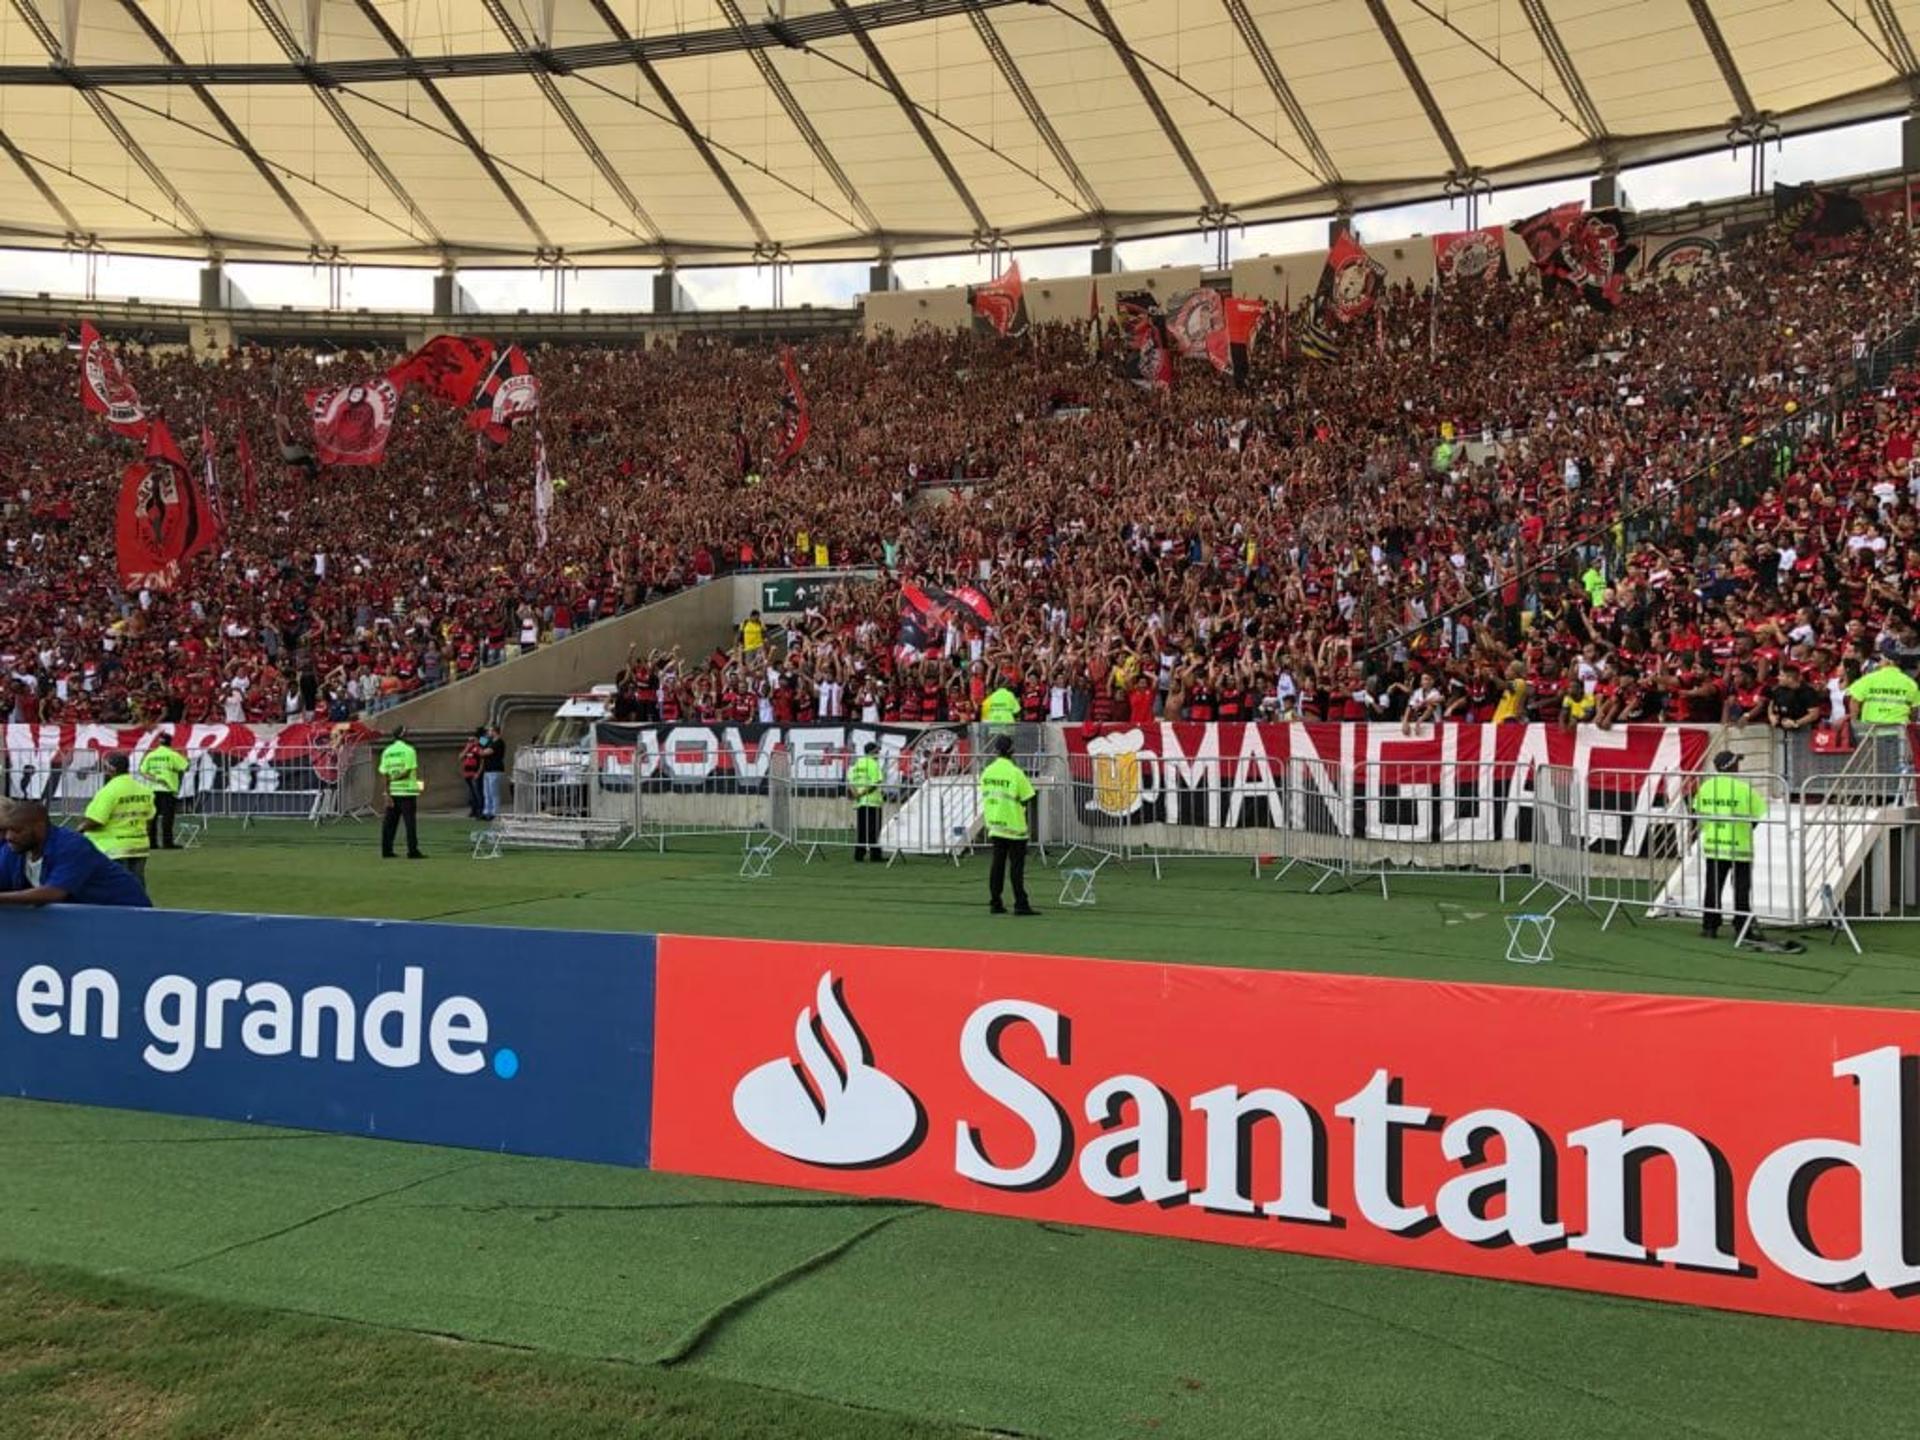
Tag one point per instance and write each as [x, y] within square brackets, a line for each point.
[174, 1277]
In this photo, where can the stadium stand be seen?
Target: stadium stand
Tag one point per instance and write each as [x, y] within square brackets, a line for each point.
[1310, 545]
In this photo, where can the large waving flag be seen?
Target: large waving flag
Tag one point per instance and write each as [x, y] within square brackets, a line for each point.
[105, 389]
[1000, 305]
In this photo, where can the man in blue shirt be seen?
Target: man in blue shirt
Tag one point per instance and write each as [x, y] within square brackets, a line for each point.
[41, 864]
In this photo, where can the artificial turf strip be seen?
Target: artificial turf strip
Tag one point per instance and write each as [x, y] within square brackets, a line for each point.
[85, 1357]
[1039, 1330]
[1202, 912]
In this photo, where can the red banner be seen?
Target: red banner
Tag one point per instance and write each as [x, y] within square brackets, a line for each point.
[508, 393]
[1352, 279]
[351, 424]
[448, 367]
[1000, 306]
[796, 418]
[1733, 1154]
[105, 389]
[42, 758]
[1216, 774]
[162, 519]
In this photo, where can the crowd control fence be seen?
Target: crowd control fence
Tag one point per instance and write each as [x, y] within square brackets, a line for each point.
[1606, 823]
[312, 783]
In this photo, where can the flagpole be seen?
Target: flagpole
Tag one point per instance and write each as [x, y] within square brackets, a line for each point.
[1433, 314]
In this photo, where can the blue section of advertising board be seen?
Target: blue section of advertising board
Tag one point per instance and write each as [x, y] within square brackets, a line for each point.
[533, 1041]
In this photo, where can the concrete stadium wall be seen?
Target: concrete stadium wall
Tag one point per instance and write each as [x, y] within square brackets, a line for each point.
[901, 312]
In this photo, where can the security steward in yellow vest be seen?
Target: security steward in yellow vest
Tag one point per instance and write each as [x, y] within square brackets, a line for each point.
[1005, 797]
[400, 775]
[165, 768]
[1885, 695]
[866, 785]
[1002, 707]
[117, 817]
[1727, 807]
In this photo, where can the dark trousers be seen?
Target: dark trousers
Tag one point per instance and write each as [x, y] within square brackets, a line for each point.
[476, 798]
[1009, 862]
[1717, 873]
[399, 808]
[160, 828]
[866, 832]
[137, 868]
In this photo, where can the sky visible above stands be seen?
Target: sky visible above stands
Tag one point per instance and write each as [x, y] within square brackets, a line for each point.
[1856, 150]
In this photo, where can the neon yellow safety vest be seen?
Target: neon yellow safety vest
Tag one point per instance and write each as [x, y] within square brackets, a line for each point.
[1727, 809]
[1004, 792]
[401, 766]
[866, 782]
[1002, 707]
[121, 810]
[1887, 695]
[165, 767]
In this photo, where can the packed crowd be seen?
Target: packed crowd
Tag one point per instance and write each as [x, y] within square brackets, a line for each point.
[1501, 504]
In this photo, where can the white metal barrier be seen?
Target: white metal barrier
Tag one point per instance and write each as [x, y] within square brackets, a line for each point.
[1860, 848]
[311, 783]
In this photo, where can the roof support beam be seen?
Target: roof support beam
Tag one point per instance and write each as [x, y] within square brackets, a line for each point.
[798, 118]
[1561, 59]
[1269, 68]
[1896, 36]
[39, 182]
[271, 21]
[685, 122]
[235, 135]
[1131, 64]
[1016, 82]
[452, 116]
[581, 135]
[914, 118]
[104, 113]
[1396, 42]
[1723, 57]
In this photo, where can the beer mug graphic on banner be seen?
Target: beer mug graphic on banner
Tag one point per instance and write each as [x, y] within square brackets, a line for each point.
[1118, 782]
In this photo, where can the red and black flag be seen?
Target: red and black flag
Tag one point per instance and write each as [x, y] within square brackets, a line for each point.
[1351, 283]
[1244, 317]
[105, 388]
[163, 518]
[506, 394]
[919, 622]
[351, 423]
[796, 419]
[965, 603]
[1471, 254]
[1000, 305]
[1581, 250]
[927, 609]
[1197, 326]
[1818, 221]
[448, 367]
[1147, 357]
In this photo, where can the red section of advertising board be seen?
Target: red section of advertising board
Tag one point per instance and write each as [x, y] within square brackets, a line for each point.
[1734, 1154]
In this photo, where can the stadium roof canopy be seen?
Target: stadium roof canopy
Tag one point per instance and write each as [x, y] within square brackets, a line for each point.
[624, 131]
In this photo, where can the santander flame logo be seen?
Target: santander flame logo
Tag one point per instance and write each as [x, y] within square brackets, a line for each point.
[833, 1107]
